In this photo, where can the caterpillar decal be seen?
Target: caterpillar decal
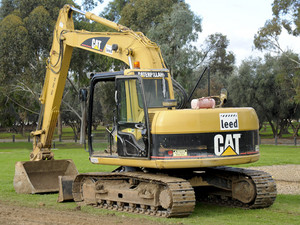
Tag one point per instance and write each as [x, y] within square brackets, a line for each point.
[97, 43]
[228, 145]
[206, 145]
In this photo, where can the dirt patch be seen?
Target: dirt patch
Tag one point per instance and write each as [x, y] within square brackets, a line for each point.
[287, 177]
[280, 141]
[18, 215]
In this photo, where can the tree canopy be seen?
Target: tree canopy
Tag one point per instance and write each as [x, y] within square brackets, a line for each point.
[267, 86]
[286, 16]
[26, 30]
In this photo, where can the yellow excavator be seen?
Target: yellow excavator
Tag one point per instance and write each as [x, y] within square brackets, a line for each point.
[168, 158]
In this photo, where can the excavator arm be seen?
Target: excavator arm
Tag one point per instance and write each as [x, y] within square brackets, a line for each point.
[41, 173]
[125, 45]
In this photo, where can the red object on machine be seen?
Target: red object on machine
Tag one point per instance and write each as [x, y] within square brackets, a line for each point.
[203, 103]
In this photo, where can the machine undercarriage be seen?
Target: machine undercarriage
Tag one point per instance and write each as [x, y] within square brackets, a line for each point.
[163, 194]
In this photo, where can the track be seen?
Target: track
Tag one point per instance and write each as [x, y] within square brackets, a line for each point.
[137, 192]
[168, 196]
[264, 188]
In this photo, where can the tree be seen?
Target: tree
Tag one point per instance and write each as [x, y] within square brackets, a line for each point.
[216, 55]
[7, 6]
[90, 4]
[262, 84]
[220, 64]
[13, 61]
[288, 79]
[113, 10]
[24, 42]
[286, 16]
[141, 15]
[175, 35]
[26, 29]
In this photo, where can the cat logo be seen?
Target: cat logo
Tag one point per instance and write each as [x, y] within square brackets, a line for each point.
[96, 44]
[228, 146]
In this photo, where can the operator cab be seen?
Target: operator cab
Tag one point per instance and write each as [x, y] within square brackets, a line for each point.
[134, 94]
[156, 88]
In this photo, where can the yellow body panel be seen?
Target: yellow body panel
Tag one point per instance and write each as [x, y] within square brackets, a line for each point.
[176, 163]
[189, 121]
[200, 120]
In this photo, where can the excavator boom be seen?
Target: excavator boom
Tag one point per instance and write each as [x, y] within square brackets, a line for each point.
[125, 45]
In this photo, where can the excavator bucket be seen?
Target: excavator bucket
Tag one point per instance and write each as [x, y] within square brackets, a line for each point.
[32, 177]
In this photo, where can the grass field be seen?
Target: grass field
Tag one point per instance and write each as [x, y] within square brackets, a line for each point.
[277, 155]
[286, 209]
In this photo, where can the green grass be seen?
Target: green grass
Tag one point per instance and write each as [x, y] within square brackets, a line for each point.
[285, 210]
[277, 155]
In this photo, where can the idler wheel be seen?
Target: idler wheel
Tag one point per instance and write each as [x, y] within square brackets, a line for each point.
[165, 199]
[244, 190]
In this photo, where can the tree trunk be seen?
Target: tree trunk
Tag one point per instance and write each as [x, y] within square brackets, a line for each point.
[284, 127]
[274, 130]
[59, 125]
[295, 128]
[23, 130]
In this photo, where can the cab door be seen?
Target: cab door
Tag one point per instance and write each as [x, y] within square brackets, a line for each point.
[133, 132]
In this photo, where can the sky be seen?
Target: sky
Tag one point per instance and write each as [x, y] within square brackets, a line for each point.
[239, 20]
